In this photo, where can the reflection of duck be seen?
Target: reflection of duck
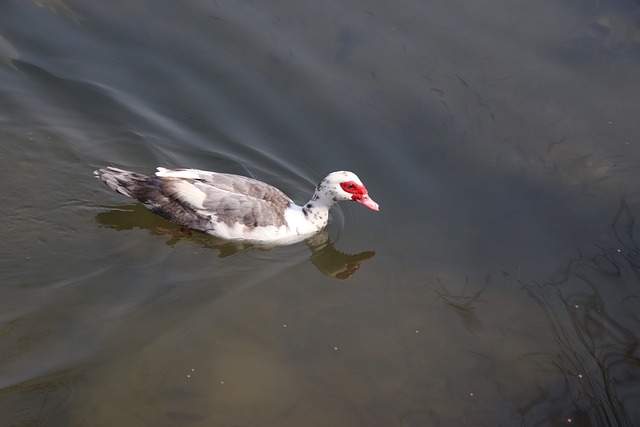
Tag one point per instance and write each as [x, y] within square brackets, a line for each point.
[324, 255]
[234, 207]
[331, 261]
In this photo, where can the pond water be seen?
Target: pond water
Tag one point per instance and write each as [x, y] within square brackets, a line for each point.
[498, 285]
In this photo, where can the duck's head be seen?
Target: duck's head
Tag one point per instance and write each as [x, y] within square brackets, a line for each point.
[345, 185]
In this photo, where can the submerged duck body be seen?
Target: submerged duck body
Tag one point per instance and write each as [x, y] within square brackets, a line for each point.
[235, 207]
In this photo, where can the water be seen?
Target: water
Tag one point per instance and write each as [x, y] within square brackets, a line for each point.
[498, 285]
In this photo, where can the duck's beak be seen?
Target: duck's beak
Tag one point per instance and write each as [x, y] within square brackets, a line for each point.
[364, 199]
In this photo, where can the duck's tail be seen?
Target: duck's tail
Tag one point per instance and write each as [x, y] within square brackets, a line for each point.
[124, 182]
[149, 190]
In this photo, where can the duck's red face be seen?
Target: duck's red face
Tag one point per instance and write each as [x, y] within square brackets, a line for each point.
[359, 194]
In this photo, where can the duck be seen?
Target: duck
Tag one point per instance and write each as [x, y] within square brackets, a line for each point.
[235, 207]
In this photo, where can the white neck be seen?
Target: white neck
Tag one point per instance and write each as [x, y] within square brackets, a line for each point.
[316, 213]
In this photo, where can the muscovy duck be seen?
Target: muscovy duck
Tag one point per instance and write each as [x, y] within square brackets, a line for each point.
[234, 207]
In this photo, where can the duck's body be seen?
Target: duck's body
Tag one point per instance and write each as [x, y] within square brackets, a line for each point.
[235, 207]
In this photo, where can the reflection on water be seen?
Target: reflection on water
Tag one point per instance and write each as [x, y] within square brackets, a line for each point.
[501, 135]
[612, 37]
[7, 52]
[592, 308]
[58, 6]
[331, 261]
[325, 256]
[463, 304]
[584, 365]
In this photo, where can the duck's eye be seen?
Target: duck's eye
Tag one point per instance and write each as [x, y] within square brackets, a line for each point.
[349, 187]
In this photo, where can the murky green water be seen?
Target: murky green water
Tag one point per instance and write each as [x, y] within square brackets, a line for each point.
[498, 285]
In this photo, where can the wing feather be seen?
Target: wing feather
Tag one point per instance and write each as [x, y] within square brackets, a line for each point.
[226, 198]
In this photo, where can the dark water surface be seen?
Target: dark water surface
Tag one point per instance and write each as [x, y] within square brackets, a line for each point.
[498, 285]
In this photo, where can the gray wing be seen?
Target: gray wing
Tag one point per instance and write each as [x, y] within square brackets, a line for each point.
[229, 198]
